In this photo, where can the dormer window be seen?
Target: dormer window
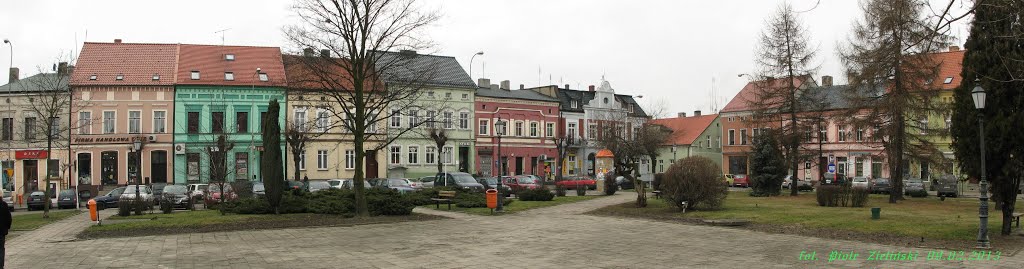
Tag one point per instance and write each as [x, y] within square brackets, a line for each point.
[264, 77]
[229, 76]
[195, 75]
[93, 77]
[948, 80]
[229, 57]
[119, 77]
[156, 77]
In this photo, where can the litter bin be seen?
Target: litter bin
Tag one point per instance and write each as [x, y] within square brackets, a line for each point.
[876, 212]
[492, 198]
[93, 214]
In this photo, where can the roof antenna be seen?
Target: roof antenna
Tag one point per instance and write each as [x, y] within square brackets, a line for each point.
[222, 31]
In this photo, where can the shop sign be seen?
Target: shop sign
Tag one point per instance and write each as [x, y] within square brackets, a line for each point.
[30, 154]
[104, 140]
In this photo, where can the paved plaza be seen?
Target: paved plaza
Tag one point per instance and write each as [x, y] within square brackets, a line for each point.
[554, 237]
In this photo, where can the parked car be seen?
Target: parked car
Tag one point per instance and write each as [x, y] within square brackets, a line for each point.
[37, 200]
[399, 184]
[427, 182]
[414, 183]
[67, 199]
[158, 188]
[377, 182]
[317, 185]
[110, 199]
[144, 192]
[518, 183]
[293, 184]
[457, 179]
[214, 194]
[258, 189]
[9, 200]
[728, 179]
[177, 195]
[348, 184]
[860, 182]
[833, 179]
[623, 183]
[534, 177]
[197, 191]
[947, 186]
[912, 185]
[740, 181]
[801, 184]
[577, 181]
[881, 185]
[492, 183]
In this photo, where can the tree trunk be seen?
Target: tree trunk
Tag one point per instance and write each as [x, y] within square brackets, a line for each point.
[46, 180]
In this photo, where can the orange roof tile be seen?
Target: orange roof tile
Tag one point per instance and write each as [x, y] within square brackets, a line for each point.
[210, 61]
[687, 129]
[743, 99]
[137, 62]
[950, 64]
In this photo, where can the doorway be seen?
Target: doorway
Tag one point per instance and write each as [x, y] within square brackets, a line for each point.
[371, 164]
[84, 169]
[519, 165]
[158, 166]
[108, 167]
[592, 161]
[464, 159]
[533, 165]
[31, 168]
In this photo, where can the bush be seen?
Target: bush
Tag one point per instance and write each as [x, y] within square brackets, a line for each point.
[334, 202]
[292, 203]
[842, 196]
[421, 197]
[920, 193]
[538, 194]
[167, 206]
[581, 191]
[656, 183]
[387, 202]
[610, 186]
[242, 188]
[560, 190]
[124, 207]
[827, 195]
[470, 200]
[859, 197]
[696, 180]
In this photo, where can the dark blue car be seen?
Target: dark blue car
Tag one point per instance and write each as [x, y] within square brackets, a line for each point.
[110, 199]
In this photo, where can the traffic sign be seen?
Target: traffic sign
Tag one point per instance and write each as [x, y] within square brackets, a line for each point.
[832, 168]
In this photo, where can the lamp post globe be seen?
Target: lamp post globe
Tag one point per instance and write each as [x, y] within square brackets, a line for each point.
[978, 94]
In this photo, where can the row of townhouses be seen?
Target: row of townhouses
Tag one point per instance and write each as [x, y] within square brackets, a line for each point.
[153, 111]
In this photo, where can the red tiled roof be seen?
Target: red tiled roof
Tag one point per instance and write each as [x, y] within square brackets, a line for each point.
[687, 129]
[137, 62]
[950, 63]
[210, 61]
[743, 99]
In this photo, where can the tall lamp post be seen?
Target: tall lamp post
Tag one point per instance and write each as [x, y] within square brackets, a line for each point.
[137, 146]
[500, 130]
[979, 103]
[471, 64]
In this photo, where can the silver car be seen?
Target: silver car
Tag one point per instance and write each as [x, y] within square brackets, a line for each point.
[9, 200]
[861, 182]
[145, 193]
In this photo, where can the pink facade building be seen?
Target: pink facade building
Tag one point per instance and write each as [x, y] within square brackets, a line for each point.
[531, 120]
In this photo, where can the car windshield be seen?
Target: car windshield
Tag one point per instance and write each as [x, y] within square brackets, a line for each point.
[398, 183]
[860, 179]
[491, 181]
[131, 189]
[316, 185]
[526, 180]
[175, 189]
[882, 180]
[334, 183]
[258, 187]
[116, 192]
[463, 178]
[38, 193]
[216, 188]
[68, 193]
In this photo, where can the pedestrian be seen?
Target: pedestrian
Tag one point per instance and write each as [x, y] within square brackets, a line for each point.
[5, 225]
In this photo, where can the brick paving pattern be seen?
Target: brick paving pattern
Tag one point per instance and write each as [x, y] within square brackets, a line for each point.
[553, 237]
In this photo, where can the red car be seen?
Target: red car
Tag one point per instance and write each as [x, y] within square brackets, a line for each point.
[518, 183]
[575, 182]
[214, 193]
[741, 181]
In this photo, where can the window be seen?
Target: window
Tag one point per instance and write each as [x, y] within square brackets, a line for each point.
[229, 76]
[431, 154]
[321, 160]
[396, 154]
[573, 104]
[534, 128]
[464, 120]
[483, 127]
[823, 135]
[53, 167]
[842, 135]
[858, 168]
[447, 120]
[430, 94]
[592, 131]
[109, 121]
[430, 119]
[217, 122]
[350, 159]
[159, 122]
[193, 122]
[241, 166]
[156, 77]
[948, 80]
[519, 128]
[93, 77]
[8, 132]
[922, 124]
[30, 128]
[504, 127]
[229, 57]
[446, 155]
[465, 96]
[709, 141]
[323, 121]
[414, 153]
[242, 122]
[264, 77]
[396, 118]
[732, 137]
[299, 120]
[571, 130]
[302, 161]
[949, 121]
[743, 136]
[718, 140]
[447, 95]
[192, 165]
[134, 122]
[54, 126]
[195, 75]
[84, 122]
[412, 118]
[119, 77]
[549, 129]
[860, 135]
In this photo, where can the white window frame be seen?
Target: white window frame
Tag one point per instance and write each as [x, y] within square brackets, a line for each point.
[732, 137]
[322, 159]
[395, 155]
[520, 128]
[299, 118]
[483, 128]
[549, 129]
[396, 118]
[413, 114]
[446, 119]
[430, 118]
[534, 129]
[571, 127]
[323, 120]
[85, 123]
[446, 155]
[162, 124]
[743, 136]
[350, 159]
[302, 161]
[413, 154]
[430, 154]
[137, 122]
[464, 120]
[113, 121]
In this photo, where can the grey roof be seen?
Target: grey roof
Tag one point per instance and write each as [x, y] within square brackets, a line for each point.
[36, 83]
[514, 94]
[565, 97]
[427, 69]
[833, 97]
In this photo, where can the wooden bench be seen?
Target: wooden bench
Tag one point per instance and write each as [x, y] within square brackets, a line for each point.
[1017, 217]
[444, 196]
[657, 194]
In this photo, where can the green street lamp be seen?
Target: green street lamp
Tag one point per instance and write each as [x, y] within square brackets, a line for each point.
[978, 94]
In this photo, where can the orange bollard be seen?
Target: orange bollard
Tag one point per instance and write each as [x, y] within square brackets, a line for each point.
[93, 213]
[19, 199]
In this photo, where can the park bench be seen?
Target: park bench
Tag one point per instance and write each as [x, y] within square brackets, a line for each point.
[1017, 217]
[657, 194]
[444, 196]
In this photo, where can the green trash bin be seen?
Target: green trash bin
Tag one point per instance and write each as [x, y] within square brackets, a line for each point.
[876, 212]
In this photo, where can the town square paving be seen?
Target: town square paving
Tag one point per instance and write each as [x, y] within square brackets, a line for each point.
[554, 237]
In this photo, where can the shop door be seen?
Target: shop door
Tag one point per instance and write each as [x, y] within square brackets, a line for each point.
[108, 168]
[31, 168]
[158, 166]
[371, 164]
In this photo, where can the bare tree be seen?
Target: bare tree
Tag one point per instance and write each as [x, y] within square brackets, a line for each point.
[891, 73]
[220, 168]
[786, 60]
[368, 84]
[649, 139]
[440, 138]
[564, 143]
[297, 135]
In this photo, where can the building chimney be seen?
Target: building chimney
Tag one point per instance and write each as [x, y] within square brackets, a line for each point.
[62, 68]
[681, 114]
[407, 52]
[522, 87]
[308, 52]
[954, 48]
[494, 87]
[506, 85]
[826, 81]
[326, 53]
[117, 41]
[566, 86]
[591, 87]
[483, 82]
[13, 75]
[696, 113]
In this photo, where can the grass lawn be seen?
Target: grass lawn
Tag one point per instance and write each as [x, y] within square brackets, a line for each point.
[914, 218]
[28, 222]
[519, 206]
[211, 220]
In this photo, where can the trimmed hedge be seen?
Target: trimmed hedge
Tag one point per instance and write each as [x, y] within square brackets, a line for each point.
[842, 196]
[538, 194]
[331, 201]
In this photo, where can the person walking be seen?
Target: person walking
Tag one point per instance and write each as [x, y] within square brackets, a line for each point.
[5, 225]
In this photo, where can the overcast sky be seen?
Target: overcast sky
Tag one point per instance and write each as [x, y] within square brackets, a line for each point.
[667, 51]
